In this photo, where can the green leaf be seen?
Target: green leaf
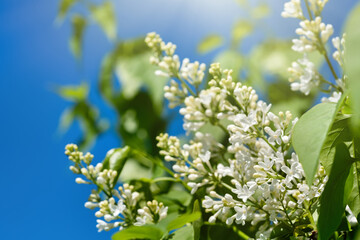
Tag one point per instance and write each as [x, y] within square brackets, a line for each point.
[74, 93]
[104, 16]
[336, 193]
[281, 231]
[209, 43]
[240, 30]
[115, 159]
[66, 119]
[179, 197]
[78, 27]
[352, 58]
[151, 232]
[130, 61]
[64, 7]
[182, 220]
[147, 122]
[338, 133]
[133, 170]
[136, 72]
[90, 123]
[198, 223]
[309, 136]
[354, 199]
[184, 233]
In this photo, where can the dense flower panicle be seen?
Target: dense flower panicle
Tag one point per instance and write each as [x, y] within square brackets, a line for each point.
[187, 74]
[313, 33]
[265, 181]
[313, 36]
[120, 208]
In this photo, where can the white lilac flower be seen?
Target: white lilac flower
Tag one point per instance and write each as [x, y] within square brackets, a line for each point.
[334, 98]
[246, 121]
[309, 32]
[175, 94]
[339, 45]
[102, 225]
[304, 76]
[91, 205]
[152, 210]
[241, 214]
[274, 136]
[292, 9]
[295, 171]
[244, 192]
[192, 72]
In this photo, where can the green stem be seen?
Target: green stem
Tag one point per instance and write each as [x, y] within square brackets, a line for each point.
[308, 9]
[267, 141]
[240, 233]
[322, 47]
[328, 62]
[93, 180]
[287, 215]
[163, 179]
[307, 208]
[331, 84]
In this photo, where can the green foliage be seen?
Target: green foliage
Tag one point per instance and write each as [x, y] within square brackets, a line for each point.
[139, 232]
[64, 7]
[336, 193]
[352, 63]
[185, 233]
[139, 111]
[78, 28]
[135, 72]
[182, 220]
[74, 93]
[339, 133]
[104, 16]
[198, 223]
[115, 159]
[209, 43]
[83, 111]
[309, 136]
[158, 231]
[354, 199]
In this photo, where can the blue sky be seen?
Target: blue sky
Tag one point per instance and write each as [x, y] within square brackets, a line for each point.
[39, 198]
